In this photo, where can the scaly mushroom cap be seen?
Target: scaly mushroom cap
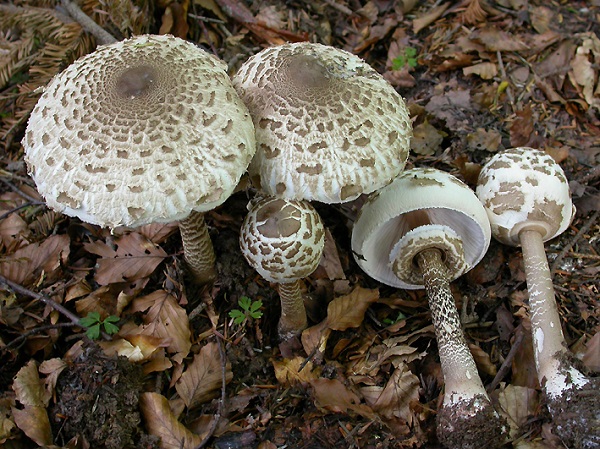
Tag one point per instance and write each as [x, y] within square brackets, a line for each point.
[525, 187]
[143, 130]
[388, 226]
[282, 239]
[328, 126]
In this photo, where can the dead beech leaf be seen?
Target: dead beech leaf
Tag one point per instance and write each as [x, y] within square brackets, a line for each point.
[521, 129]
[137, 348]
[287, 371]
[7, 425]
[158, 232]
[486, 70]
[518, 404]
[541, 18]
[349, 310]
[497, 40]
[483, 361]
[161, 422]
[584, 71]
[26, 263]
[52, 369]
[34, 422]
[393, 400]
[429, 17]
[165, 319]
[591, 358]
[202, 379]
[12, 230]
[136, 257]
[334, 396]
[426, 139]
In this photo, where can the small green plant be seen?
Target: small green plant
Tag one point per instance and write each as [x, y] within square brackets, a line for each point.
[249, 309]
[389, 321]
[408, 58]
[94, 325]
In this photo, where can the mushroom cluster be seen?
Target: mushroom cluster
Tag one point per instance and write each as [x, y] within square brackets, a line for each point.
[149, 129]
[424, 230]
[526, 196]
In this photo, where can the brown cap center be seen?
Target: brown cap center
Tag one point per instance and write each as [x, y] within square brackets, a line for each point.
[136, 81]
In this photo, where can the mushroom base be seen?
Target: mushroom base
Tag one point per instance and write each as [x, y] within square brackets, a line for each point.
[472, 424]
[576, 415]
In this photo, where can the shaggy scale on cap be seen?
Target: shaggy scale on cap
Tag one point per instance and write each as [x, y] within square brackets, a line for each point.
[328, 126]
[145, 130]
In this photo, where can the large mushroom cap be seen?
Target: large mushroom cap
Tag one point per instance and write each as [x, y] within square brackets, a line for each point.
[282, 239]
[328, 126]
[388, 226]
[147, 129]
[525, 187]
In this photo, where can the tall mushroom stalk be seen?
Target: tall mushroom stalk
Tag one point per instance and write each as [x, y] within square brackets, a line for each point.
[283, 240]
[424, 230]
[145, 130]
[526, 196]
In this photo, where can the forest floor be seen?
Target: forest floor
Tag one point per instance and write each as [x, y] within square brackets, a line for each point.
[478, 76]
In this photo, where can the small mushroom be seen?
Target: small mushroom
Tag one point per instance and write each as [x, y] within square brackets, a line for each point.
[283, 240]
[328, 126]
[526, 196]
[424, 230]
[149, 129]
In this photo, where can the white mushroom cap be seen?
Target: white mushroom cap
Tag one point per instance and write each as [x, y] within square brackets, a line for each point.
[328, 126]
[282, 239]
[144, 130]
[456, 223]
[524, 187]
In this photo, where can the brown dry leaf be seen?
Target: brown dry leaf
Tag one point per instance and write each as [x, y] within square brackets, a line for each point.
[12, 230]
[314, 339]
[395, 398]
[174, 20]
[52, 369]
[158, 232]
[334, 396]
[349, 310]
[211, 6]
[165, 319]
[426, 139]
[7, 425]
[136, 257]
[584, 72]
[288, 373]
[137, 348]
[473, 13]
[591, 358]
[541, 18]
[161, 422]
[497, 40]
[521, 129]
[448, 103]
[32, 419]
[483, 361]
[482, 139]
[25, 264]
[202, 379]
[430, 17]
[518, 404]
[486, 70]
[330, 260]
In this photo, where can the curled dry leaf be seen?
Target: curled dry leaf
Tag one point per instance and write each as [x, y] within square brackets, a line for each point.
[136, 347]
[52, 369]
[486, 70]
[426, 139]
[333, 396]
[7, 424]
[518, 404]
[161, 422]
[165, 319]
[12, 230]
[136, 257]
[25, 264]
[584, 72]
[202, 379]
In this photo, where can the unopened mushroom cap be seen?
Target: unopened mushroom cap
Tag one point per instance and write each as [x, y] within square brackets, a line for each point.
[524, 187]
[386, 226]
[328, 126]
[143, 130]
[282, 239]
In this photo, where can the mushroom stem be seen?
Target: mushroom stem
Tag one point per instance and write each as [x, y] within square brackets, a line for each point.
[467, 418]
[198, 250]
[293, 313]
[573, 399]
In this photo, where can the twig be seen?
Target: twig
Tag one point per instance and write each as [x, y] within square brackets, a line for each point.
[590, 176]
[102, 36]
[18, 191]
[18, 208]
[585, 228]
[519, 335]
[34, 331]
[221, 406]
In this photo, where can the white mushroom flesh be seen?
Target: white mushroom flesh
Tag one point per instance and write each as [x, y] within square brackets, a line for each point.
[328, 126]
[146, 129]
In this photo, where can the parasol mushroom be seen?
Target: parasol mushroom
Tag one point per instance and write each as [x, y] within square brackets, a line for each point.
[526, 196]
[283, 240]
[424, 230]
[144, 130]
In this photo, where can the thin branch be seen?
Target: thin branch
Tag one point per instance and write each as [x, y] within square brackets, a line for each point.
[585, 228]
[102, 36]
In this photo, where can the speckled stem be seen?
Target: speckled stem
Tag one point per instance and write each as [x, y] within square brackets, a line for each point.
[573, 399]
[460, 372]
[467, 419]
[198, 250]
[293, 314]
